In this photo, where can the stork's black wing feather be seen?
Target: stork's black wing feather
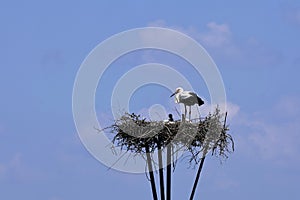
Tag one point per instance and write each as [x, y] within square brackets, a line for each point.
[199, 100]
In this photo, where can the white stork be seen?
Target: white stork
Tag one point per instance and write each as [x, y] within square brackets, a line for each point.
[188, 98]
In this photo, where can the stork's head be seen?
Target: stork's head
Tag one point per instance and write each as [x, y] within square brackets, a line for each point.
[178, 90]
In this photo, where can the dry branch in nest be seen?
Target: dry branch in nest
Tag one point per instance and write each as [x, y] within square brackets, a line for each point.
[212, 135]
[134, 134]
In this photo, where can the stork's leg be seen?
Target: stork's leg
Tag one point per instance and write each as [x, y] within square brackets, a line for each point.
[190, 113]
[185, 111]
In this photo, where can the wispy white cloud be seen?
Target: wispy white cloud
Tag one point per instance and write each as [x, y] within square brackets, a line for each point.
[232, 109]
[2, 170]
[291, 13]
[2, 129]
[150, 38]
[157, 23]
[52, 58]
[55, 198]
[217, 38]
[272, 135]
[288, 107]
[261, 55]
[17, 169]
[221, 43]
[217, 35]
[225, 183]
[276, 142]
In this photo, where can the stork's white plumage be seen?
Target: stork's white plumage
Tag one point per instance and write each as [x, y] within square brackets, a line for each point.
[188, 98]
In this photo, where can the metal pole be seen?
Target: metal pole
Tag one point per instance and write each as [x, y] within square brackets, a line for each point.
[169, 149]
[152, 180]
[161, 173]
[197, 178]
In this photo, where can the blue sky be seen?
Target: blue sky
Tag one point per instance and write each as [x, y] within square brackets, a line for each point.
[255, 44]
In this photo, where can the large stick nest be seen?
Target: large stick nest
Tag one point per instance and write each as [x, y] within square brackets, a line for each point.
[135, 134]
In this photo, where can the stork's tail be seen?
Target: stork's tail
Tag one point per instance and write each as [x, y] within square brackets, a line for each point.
[200, 101]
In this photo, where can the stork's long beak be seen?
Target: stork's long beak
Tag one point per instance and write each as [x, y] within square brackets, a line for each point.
[173, 94]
